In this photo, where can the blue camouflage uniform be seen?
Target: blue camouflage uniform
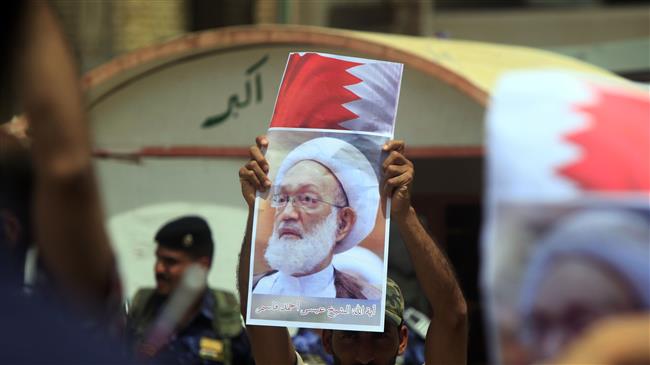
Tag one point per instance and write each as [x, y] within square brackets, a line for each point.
[308, 344]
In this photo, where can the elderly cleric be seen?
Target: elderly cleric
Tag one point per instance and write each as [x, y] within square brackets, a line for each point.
[326, 197]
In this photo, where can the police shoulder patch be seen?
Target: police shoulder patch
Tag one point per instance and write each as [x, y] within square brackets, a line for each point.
[211, 349]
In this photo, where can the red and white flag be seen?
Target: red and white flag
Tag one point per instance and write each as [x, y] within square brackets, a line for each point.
[554, 135]
[568, 183]
[324, 91]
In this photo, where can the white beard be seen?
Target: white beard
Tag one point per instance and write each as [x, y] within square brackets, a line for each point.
[297, 256]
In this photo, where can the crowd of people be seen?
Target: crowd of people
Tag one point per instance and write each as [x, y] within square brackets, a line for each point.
[63, 300]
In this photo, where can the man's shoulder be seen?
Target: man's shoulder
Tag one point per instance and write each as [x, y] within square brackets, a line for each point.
[225, 298]
[143, 294]
[227, 318]
[142, 312]
[354, 287]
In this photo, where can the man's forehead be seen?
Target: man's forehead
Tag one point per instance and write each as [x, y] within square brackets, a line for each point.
[300, 185]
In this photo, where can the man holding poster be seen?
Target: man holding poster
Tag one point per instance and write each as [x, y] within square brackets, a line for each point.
[446, 340]
[313, 190]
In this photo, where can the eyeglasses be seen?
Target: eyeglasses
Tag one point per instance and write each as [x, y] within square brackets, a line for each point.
[305, 201]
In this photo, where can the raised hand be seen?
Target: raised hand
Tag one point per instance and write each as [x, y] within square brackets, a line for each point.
[253, 175]
[398, 177]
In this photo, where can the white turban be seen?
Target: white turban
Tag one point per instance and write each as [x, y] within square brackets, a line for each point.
[618, 239]
[354, 173]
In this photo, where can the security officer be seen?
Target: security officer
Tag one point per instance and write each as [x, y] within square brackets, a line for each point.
[211, 332]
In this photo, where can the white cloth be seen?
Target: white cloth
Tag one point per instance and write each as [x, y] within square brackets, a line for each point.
[362, 263]
[320, 284]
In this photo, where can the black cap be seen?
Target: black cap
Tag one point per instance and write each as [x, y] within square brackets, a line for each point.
[190, 234]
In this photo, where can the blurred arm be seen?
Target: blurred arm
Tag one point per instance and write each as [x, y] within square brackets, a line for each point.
[446, 341]
[621, 339]
[68, 217]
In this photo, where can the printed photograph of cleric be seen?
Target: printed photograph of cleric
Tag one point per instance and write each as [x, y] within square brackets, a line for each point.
[321, 229]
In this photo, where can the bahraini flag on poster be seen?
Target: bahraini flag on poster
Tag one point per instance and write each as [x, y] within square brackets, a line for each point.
[324, 91]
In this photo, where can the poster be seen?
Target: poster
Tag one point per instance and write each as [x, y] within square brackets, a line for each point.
[566, 236]
[320, 234]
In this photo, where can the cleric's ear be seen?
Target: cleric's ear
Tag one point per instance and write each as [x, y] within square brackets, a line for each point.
[346, 219]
